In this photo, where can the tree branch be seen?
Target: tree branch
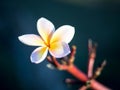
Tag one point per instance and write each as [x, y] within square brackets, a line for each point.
[69, 66]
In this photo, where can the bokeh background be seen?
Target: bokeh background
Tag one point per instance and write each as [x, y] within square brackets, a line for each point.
[95, 19]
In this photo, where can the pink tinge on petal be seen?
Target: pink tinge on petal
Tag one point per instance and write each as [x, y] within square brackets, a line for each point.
[39, 54]
[31, 39]
[45, 29]
[64, 33]
[59, 49]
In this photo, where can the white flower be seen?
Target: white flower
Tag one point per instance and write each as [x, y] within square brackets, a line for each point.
[56, 42]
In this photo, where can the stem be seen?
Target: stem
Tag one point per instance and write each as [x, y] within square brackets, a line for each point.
[82, 77]
[77, 73]
[92, 56]
[90, 66]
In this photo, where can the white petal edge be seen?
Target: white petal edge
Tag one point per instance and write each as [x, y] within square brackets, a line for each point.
[64, 33]
[39, 54]
[31, 39]
[45, 28]
[59, 49]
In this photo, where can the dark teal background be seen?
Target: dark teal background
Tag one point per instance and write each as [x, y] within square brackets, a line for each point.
[99, 21]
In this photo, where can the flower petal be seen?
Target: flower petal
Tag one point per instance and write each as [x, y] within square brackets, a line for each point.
[63, 34]
[59, 49]
[31, 39]
[45, 29]
[39, 54]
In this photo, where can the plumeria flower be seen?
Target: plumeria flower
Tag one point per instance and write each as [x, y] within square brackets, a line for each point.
[56, 42]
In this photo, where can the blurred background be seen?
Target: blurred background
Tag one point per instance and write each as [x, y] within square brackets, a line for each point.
[95, 19]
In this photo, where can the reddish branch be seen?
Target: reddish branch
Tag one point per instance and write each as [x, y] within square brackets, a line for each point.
[92, 56]
[83, 77]
[77, 73]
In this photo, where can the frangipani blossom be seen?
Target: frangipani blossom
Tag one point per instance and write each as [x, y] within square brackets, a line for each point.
[56, 42]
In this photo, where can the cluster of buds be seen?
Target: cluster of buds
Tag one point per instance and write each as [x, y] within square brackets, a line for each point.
[67, 64]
